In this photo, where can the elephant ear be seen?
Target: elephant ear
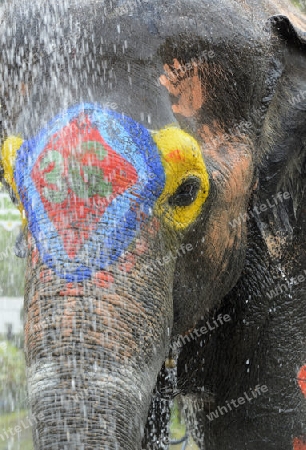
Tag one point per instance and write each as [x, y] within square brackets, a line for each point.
[280, 195]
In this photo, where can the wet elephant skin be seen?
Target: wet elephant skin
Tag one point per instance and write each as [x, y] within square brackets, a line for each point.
[157, 153]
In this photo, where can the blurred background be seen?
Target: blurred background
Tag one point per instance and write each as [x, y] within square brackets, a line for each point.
[300, 4]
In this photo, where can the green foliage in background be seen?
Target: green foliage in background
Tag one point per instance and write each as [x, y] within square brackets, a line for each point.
[301, 4]
[11, 268]
[12, 377]
[178, 429]
[20, 441]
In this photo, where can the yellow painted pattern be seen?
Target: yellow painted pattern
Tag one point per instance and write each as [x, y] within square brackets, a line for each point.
[181, 157]
[9, 153]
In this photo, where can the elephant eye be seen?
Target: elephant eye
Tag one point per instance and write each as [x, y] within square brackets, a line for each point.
[186, 193]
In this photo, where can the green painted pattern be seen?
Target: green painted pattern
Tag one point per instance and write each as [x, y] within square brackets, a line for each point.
[84, 181]
[55, 177]
[12, 269]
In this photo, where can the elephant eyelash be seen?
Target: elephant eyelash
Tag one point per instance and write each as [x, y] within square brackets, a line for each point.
[186, 193]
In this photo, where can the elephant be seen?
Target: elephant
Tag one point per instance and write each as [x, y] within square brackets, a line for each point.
[156, 152]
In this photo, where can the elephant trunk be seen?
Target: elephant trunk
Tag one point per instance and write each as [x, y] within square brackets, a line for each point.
[105, 413]
[98, 295]
[93, 356]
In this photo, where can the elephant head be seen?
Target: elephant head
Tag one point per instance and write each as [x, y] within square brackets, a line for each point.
[136, 136]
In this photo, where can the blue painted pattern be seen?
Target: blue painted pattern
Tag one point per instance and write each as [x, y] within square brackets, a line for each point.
[120, 221]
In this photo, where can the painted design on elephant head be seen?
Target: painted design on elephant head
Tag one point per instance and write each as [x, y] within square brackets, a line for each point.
[185, 84]
[190, 83]
[185, 173]
[9, 153]
[94, 173]
[89, 168]
[78, 175]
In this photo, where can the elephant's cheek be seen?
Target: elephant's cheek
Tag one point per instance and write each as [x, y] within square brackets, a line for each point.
[226, 225]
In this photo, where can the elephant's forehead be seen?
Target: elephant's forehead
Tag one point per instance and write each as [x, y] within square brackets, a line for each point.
[63, 53]
[89, 174]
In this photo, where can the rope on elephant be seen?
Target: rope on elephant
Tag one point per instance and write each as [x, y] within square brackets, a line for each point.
[183, 440]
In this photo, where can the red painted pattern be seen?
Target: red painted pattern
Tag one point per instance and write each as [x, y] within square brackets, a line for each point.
[176, 155]
[302, 379]
[299, 444]
[103, 279]
[129, 262]
[35, 258]
[73, 290]
[76, 218]
[46, 275]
